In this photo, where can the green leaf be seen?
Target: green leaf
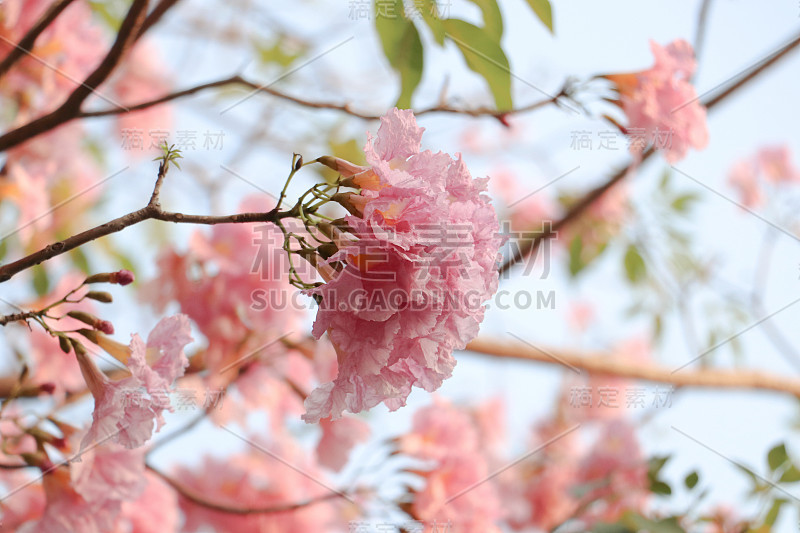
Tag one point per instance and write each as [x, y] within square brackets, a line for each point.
[41, 282]
[492, 18]
[484, 56]
[80, 260]
[576, 263]
[777, 456]
[276, 53]
[403, 48]
[659, 487]
[791, 475]
[635, 269]
[774, 511]
[691, 480]
[683, 202]
[430, 14]
[544, 11]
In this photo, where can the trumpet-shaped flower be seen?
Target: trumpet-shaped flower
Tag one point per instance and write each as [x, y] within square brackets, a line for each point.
[415, 264]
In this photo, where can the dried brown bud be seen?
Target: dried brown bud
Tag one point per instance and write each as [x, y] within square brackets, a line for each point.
[105, 277]
[63, 343]
[86, 318]
[100, 296]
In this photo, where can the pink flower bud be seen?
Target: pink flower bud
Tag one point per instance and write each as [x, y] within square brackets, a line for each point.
[122, 277]
[105, 326]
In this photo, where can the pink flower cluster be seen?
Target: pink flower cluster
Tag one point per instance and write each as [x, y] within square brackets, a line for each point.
[458, 489]
[421, 230]
[662, 102]
[283, 475]
[771, 165]
[121, 412]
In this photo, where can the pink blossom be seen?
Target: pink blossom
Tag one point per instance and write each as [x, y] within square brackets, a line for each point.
[744, 178]
[67, 510]
[108, 472]
[66, 51]
[602, 396]
[776, 164]
[45, 172]
[616, 467]
[154, 511]
[580, 315]
[457, 488]
[256, 480]
[125, 410]
[143, 76]
[232, 283]
[27, 503]
[338, 438]
[662, 102]
[440, 430]
[395, 249]
[528, 208]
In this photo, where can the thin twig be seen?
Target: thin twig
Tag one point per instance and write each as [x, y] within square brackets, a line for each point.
[25, 45]
[344, 108]
[196, 498]
[128, 32]
[531, 245]
[152, 211]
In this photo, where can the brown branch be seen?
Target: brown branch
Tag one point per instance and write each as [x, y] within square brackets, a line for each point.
[599, 363]
[344, 108]
[25, 45]
[529, 246]
[152, 211]
[128, 32]
[17, 317]
[155, 16]
[196, 498]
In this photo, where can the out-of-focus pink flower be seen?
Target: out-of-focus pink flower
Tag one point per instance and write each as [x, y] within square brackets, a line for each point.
[125, 410]
[776, 164]
[580, 315]
[69, 510]
[108, 472]
[603, 396]
[258, 480]
[338, 438]
[527, 208]
[440, 430]
[26, 504]
[53, 169]
[418, 261]
[662, 103]
[725, 519]
[744, 178]
[617, 470]
[143, 77]
[232, 283]
[489, 420]
[154, 511]
[457, 489]
[537, 492]
[65, 52]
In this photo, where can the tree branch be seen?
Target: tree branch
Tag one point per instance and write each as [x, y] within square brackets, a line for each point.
[344, 108]
[128, 32]
[152, 211]
[25, 44]
[198, 499]
[599, 363]
[528, 246]
[155, 16]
